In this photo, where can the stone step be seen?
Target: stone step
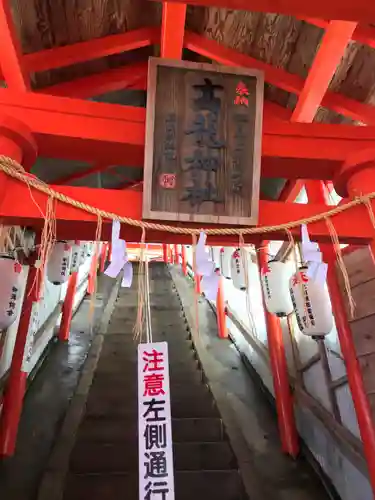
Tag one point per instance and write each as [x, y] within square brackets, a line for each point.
[109, 430]
[98, 457]
[118, 379]
[117, 353]
[197, 485]
[129, 392]
[159, 323]
[181, 406]
[128, 369]
[122, 345]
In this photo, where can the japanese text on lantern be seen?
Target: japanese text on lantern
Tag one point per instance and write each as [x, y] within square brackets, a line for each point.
[307, 319]
[154, 423]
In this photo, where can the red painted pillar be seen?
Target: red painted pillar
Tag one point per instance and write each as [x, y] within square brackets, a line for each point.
[165, 253]
[356, 177]
[221, 312]
[110, 252]
[92, 273]
[103, 256]
[183, 259]
[16, 142]
[67, 308]
[283, 395]
[176, 258]
[16, 384]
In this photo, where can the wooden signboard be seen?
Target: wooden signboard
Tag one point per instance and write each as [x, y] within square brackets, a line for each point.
[203, 143]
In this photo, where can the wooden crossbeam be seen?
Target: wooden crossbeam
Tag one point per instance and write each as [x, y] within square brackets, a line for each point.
[363, 33]
[331, 50]
[360, 10]
[11, 63]
[172, 30]
[18, 208]
[82, 174]
[130, 76]
[93, 49]
[277, 76]
[114, 134]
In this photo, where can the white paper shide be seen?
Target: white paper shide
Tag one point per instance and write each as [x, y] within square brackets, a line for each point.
[154, 423]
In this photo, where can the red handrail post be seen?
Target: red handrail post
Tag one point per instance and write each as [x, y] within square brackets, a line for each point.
[92, 274]
[67, 308]
[355, 178]
[103, 256]
[221, 311]
[16, 384]
[165, 253]
[176, 257]
[279, 367]
[183, 259]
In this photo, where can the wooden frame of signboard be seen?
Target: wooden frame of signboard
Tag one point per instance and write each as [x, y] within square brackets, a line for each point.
[200, 165]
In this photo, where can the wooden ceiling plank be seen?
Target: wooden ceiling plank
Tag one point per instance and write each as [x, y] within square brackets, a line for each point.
[359, 10]
[278, 77]
[172, 30]
[18, 208]
[130, 76]
[11, 61]
[93, 49]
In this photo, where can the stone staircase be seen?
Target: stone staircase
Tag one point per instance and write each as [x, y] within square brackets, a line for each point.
[104, 461]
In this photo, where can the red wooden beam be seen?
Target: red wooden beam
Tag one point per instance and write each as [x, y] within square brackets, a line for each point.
[11, 62]
[291, 190]
[81, 174]
[172, 30]
[363, 33]
[18, 208]
[361, 10]
[332, 48]
[277, 76]
[93, 49]
[114, 134]
[130, 76]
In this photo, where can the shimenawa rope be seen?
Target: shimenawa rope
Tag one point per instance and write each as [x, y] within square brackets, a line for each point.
[15, 170]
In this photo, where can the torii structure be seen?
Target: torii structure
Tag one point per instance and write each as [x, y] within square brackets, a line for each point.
[59, 122]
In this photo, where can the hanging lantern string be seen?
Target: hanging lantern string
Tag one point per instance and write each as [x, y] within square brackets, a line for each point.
[245, 264]
[141, 303]
[370, 212]
[48, 239]
[15, 170]
[340, 260]
[98, 237]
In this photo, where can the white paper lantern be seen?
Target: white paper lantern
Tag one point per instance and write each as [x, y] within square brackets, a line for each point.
[225, 261]
[237, 270]
[311, 304]
[58, 267]
[76, 258]
[275, 277]
[10, 284]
